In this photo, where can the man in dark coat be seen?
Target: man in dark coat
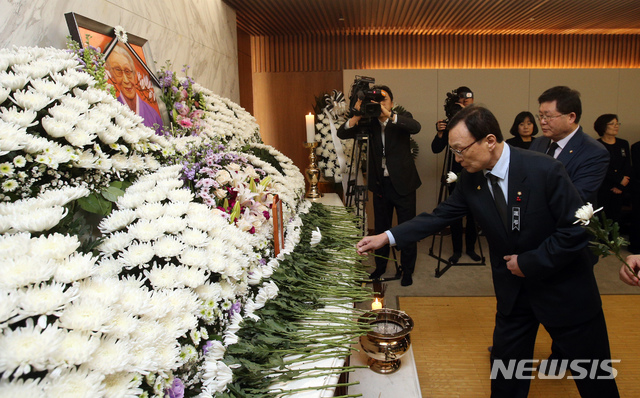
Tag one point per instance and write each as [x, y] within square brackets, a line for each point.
[539, 258]
[392, 175]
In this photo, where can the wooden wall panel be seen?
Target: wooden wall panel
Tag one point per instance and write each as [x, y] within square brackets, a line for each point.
[280, 102]
[395, 51]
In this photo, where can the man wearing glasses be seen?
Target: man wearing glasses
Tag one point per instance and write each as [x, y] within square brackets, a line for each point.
[542, 274]
[584, 158]
[125, 77]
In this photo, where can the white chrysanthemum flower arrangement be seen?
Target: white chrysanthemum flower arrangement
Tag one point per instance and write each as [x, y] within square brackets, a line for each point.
[198, 112]
[58, 129]
[331, 110]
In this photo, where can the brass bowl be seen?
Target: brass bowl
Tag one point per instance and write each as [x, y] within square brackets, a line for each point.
[388, 341]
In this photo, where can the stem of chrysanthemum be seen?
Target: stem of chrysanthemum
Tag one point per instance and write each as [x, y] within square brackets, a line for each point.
[627, 265]
[383, 257]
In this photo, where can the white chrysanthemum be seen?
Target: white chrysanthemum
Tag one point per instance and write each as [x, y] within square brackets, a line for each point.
[171, 225]
[107, 267]
[116, 242]
[77, 266]
[227, 291]
[193, 277]
[46, 299]
[75, 383]
[176, 209]
[80, 136]
[168, 246]
[154, 195]
[151, 211]
[180, 195]
[13, 81]
[134, 298]
[168, 356]
[122, 385]
[91, 94]
[137, 254]
[123, 324]
[130, 200]
[26, 388]
[49, 88]
[145, 230]
[194, 257]
[31, 100]
[117, 220]
[14, 245]
[55, 246]
[4, 94]
[87, 315]
[75, 348]
[194, 237]
[26, 270]
[29, 347]
[9, 307]
[62, 196]
[255, 276]
[12, 137]
[107, 290]
[42, 220]
[209, 291]
[167, 276]
[158, 304]
[148, 331]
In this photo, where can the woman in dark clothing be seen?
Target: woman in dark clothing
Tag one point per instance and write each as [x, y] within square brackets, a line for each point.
[523, 129]
[618, 175]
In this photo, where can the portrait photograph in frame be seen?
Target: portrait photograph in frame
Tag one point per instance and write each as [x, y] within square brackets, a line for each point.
[128, 67]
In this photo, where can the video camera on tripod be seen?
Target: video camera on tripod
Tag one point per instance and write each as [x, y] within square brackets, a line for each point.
[362, 90]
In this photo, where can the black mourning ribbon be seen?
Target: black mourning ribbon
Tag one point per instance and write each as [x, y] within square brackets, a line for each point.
[552, 149]
[498, 198]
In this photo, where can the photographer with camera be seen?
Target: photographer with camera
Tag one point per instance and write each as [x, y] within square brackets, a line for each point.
[392, 174]
[456, 100]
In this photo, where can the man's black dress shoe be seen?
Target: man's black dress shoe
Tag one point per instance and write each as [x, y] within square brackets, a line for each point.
[474, 256]
[376, 274]
[407, 280]
[455, 258]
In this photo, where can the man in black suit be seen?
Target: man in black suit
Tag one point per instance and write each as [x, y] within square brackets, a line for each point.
[539, 257]
[584, 158]
[392, 176]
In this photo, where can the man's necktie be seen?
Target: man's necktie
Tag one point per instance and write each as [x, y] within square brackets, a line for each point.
[498, 198]
[552, 149]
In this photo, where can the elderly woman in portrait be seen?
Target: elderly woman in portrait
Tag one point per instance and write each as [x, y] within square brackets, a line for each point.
[610, 194]
[523, 129]
[123, 73]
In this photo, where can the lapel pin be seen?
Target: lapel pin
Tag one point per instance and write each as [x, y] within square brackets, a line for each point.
[519, 197]
[571, 151]
[478, 188]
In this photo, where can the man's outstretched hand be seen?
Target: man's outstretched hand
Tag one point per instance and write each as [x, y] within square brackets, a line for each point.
[371, 243]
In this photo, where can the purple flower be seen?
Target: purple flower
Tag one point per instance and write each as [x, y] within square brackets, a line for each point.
[207, 346]
[176, 390]
[235, 308]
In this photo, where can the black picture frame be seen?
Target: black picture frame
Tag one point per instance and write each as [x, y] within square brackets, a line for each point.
[76, 21]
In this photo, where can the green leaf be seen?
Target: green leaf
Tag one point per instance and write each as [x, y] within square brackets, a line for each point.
[95, 204]
[112, 193]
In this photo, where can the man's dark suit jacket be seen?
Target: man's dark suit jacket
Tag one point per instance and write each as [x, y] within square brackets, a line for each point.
[586, 162]
[552, 251]
[402, 169]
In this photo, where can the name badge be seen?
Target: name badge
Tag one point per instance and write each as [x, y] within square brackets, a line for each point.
[515, 219]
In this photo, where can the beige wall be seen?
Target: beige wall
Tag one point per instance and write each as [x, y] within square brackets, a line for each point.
[506, 92]
[199, 33]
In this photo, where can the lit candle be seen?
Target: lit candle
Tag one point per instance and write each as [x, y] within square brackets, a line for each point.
[376, 304]
[311, 131]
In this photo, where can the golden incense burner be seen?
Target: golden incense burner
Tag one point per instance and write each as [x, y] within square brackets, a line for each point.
[388, 340]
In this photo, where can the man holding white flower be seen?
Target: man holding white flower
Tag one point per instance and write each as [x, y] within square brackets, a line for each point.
[542, 274]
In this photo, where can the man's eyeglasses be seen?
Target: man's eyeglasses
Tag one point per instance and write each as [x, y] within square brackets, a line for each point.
[459, 151]
[118, 72]
[544, 118]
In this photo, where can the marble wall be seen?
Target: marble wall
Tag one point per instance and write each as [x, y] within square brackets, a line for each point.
[198, 33]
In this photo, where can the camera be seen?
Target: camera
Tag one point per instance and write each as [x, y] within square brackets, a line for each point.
[451, 105]
[362, 90]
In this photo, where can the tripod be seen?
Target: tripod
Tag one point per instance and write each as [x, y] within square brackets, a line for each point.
[442, 195]
[357, 193]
